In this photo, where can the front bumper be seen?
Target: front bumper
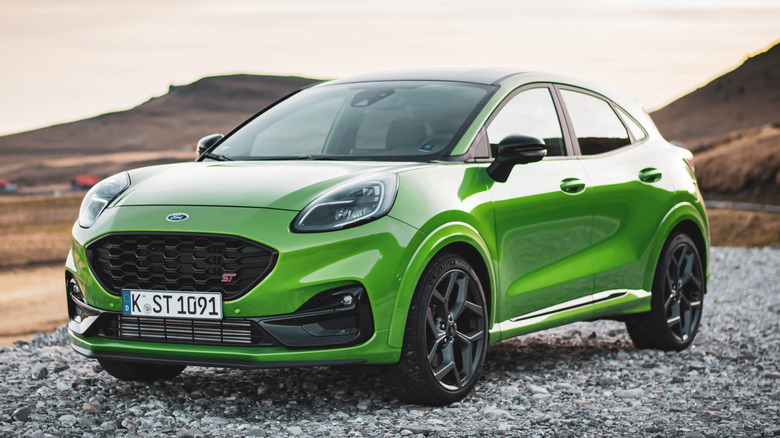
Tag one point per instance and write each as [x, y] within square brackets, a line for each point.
[369, 260]
[317, 335]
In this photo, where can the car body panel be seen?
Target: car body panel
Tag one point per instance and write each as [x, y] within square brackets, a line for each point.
[627, 212]
[373, 351]
[285, 185]
[543, 237]
[613, 302]
[300, 271]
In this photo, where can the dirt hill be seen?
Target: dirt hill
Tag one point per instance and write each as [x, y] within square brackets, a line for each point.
[743, 167]
[163, 129]
[746, 97]
[170, 122]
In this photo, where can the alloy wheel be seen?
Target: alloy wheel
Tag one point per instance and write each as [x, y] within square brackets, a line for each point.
[683, 291]
[454, 329]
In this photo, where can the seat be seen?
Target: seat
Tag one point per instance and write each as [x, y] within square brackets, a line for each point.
[405, 135]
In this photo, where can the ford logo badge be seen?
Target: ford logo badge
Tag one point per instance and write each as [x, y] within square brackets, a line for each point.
[177, 217]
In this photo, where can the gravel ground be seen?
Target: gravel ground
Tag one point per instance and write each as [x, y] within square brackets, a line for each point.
[581, 380]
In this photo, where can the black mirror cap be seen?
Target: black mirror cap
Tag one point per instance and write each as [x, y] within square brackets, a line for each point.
[515, 149]
[207, 142]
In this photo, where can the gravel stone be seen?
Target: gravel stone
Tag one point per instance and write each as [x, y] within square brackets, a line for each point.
[581, 380]
[68, 418]
[492, 411]
[189, 433]
[541, 397]
[22, 413]
[535, 389]
[39, 372]
[629, 393]
[94, 408]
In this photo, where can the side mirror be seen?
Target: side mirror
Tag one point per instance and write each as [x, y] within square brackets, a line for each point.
[208, 141]
[515, 149]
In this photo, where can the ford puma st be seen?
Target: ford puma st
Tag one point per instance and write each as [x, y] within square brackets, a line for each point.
[404, 219]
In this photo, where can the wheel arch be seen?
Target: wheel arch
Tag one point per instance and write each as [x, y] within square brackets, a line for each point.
[476, 260]
[692, 221]
[458, 238]
[690, 228]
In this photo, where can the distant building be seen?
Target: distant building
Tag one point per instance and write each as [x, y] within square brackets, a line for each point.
[84, 182]
[6, 185]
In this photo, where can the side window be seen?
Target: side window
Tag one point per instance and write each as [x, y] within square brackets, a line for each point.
[636, 130]
[597, 127]
[531, 112]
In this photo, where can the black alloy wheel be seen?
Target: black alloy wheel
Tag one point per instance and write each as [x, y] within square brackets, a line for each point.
[683, 292]
[446, 335]
[678, 295]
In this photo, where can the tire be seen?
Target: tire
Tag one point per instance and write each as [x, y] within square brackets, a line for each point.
[677, 299]
[146, 372]
[446, 335]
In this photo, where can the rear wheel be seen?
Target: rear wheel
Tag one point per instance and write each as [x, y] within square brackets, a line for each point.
[446, 335]
[148, 372]
[678, 295]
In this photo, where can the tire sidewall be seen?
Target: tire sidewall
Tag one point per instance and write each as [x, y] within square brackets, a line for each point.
[440, 266]
[657, 304]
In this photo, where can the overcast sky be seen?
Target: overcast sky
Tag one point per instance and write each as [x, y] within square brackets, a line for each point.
[64, 60]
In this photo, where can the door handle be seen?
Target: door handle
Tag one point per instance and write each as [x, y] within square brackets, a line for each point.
[572, 186]
[649, 175]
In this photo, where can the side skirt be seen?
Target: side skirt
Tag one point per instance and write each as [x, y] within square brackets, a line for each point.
[606, 303]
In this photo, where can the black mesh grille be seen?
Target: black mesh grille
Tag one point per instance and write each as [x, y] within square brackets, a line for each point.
[230, 331]
[179, 262]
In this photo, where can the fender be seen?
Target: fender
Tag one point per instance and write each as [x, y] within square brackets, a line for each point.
[683, 211]
[455, 232]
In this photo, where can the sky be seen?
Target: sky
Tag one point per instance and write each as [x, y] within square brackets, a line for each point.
[65, 60]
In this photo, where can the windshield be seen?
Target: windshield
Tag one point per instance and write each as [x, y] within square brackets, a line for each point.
[381, 120]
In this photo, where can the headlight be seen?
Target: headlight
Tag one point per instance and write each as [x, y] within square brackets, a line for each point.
[348, 205]
[99, 196]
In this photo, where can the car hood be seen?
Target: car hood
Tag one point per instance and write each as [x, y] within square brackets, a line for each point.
[287, 185]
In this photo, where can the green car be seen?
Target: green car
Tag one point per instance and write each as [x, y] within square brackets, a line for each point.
[404, 219]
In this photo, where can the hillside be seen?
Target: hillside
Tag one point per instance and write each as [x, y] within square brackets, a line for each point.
[743, 167]
[170, 122]
[163, 129]
[746, 97]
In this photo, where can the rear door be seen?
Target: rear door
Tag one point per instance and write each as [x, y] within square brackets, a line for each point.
[543, 212]
[630, 188]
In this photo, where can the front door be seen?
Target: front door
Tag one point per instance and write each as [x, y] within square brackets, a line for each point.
[543, 214]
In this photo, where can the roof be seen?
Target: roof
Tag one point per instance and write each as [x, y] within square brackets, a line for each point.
[477, 76]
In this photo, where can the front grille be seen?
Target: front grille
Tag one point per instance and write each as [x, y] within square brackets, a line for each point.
[179, 262]
[230, 331]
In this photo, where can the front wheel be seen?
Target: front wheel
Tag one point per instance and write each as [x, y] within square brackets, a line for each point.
[446, 335]
[678, 295]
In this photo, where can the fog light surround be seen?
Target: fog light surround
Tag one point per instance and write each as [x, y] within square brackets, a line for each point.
[337, 317]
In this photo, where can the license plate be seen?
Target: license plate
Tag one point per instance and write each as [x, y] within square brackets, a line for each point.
[193, 305]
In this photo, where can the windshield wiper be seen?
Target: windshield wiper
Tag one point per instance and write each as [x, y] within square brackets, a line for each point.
[295, 157]
[281, 157]
[218, 157]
